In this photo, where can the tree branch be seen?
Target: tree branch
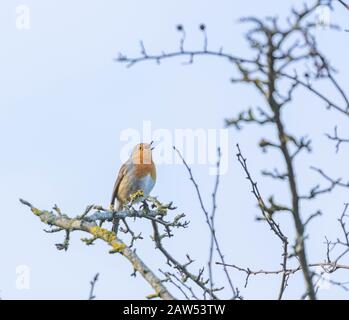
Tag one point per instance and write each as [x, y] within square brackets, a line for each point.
[116, 244]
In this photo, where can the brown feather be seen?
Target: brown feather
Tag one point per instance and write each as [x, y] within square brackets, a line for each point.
[121, 175]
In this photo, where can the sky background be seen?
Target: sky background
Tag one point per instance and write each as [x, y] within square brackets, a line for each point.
[64, 103]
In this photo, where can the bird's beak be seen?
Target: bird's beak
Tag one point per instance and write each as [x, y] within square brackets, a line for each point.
[153, 145]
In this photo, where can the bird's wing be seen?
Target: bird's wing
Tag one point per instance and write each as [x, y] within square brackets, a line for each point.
[122, 173]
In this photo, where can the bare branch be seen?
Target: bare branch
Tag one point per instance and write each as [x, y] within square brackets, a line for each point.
[116, 244]
[337, 139]
[212, 231]
[92, 288]
[269, 219]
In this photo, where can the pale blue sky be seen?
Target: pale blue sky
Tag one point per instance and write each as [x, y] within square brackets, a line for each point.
[64, 103]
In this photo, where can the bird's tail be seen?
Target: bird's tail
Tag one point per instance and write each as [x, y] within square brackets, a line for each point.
[116, 220]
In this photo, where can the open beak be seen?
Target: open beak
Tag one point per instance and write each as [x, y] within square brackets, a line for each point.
[153, 145]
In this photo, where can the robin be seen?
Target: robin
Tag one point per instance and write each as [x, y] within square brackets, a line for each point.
[138, 173]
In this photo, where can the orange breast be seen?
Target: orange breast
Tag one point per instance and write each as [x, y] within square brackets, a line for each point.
[141, 170]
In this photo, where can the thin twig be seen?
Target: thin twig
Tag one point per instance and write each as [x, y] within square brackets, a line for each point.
[92, 286]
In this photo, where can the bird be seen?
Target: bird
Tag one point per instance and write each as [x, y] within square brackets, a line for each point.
[138, 173]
